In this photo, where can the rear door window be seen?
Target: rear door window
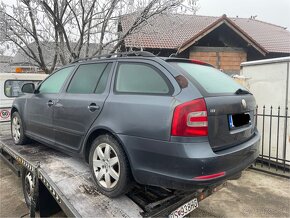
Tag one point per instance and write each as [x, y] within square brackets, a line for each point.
[90, 78]
[141, 78]
[211, 80]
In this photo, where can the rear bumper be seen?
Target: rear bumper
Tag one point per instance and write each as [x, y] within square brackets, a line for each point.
[175, 165]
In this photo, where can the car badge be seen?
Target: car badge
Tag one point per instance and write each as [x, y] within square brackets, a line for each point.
[244, 104]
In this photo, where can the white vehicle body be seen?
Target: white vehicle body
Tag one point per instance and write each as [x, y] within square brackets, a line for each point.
[10, 88]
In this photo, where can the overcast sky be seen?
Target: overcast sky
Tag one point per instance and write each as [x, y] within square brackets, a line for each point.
[273, 11]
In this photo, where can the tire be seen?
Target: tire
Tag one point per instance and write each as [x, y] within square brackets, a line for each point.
[27, 187]
[17, 130]
[109, 166]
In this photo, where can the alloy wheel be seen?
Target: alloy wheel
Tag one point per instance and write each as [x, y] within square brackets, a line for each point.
[106, 165]
[16, 129]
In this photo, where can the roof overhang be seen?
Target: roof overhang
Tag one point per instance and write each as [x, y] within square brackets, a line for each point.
[223, 20]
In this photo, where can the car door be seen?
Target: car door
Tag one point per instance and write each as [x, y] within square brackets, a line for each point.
[40, 106]
[142, 100]
[80, 104]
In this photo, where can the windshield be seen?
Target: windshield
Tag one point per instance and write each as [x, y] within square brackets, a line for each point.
[208, 78]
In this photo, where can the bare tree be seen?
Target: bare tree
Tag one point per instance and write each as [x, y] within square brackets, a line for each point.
[72, 29]
[29, 31]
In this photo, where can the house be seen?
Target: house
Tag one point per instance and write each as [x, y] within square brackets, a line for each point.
[221, 41]
[23, 63]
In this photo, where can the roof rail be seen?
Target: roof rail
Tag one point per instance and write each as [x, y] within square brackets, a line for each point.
[120, 54]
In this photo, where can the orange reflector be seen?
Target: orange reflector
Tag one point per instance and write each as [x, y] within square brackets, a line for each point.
[18, 70]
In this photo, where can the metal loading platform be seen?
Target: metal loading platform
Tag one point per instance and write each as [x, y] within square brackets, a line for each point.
[64, 183]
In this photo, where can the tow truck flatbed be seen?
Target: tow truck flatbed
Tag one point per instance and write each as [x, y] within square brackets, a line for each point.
[69, 183]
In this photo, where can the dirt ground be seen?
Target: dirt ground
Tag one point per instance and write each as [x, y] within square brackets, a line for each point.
[12, 202]
[255, 194]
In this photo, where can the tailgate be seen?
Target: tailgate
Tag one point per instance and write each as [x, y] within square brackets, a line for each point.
[231, 120]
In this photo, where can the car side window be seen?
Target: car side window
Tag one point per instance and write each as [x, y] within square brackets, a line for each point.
[90, 78]
[141, 79]
[53, 84]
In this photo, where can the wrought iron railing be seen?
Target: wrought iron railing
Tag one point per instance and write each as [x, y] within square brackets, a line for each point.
[272, 124]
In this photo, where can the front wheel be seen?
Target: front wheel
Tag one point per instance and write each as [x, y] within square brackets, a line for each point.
[17, 130]
[110, 167]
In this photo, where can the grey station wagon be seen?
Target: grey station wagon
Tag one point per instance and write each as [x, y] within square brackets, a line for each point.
[134, 117]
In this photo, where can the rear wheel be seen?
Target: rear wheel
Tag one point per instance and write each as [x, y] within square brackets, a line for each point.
[28, 187]
[17, 130]
[110, 167]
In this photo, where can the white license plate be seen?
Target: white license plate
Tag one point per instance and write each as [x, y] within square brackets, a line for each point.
[184, 209]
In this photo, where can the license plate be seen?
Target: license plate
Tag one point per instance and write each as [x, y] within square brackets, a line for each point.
[184, 209]
[231, 123]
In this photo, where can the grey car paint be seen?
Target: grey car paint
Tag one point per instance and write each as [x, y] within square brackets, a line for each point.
[74, 114]
[39, 113]
[142, 124]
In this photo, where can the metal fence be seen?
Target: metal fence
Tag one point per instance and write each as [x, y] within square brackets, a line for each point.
[272, 124]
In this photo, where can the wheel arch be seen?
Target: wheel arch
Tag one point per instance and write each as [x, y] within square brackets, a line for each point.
[13, 109]
[98, 132]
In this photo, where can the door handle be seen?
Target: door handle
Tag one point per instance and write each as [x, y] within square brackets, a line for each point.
[93, 107]
[50, 103]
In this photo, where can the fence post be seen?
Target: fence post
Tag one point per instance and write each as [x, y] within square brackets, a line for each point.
[263, 136]
[270, 137]
[256, 124]
[278, 132]
[285, 139]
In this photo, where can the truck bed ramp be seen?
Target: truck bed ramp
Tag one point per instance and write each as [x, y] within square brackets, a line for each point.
[68, 180]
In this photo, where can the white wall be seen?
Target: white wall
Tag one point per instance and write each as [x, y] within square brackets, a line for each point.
[268, 81]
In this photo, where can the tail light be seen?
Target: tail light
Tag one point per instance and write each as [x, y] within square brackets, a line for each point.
[190, 119]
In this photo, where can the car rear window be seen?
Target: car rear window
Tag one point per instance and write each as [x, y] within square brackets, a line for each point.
[208, 78]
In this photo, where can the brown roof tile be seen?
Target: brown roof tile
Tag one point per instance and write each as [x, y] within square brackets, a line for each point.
[272, 37]
[172, 30]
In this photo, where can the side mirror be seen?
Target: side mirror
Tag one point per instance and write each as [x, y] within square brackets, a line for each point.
[28, 88]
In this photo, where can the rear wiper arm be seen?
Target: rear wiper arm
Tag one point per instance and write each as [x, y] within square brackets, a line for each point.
[242, 92]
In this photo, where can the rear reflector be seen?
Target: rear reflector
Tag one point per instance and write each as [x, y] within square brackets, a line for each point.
[211, 176]
[190, 119]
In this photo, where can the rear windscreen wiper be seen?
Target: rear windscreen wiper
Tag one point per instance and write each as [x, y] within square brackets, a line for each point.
[242, 92]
